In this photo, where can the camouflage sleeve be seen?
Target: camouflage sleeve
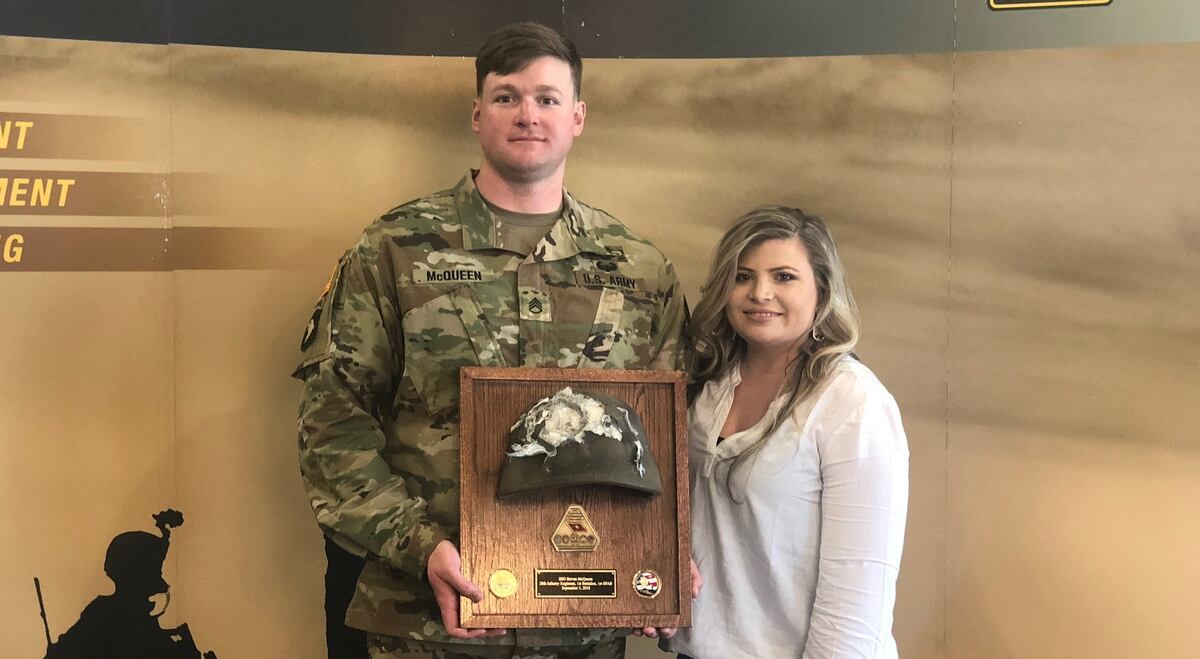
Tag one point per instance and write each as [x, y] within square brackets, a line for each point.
[353, 356]
[673, 351]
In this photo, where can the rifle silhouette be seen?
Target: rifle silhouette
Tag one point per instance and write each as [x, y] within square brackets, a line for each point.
[37, 585]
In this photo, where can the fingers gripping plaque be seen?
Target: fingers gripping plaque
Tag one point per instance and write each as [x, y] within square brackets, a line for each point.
[578, 438]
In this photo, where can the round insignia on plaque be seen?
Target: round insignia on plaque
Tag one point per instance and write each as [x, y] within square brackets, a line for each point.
[502, 583]
[647, 584]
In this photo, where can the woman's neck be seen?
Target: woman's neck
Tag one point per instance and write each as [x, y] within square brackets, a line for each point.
[766, 363]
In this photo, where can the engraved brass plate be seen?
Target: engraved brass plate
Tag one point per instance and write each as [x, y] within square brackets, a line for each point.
[575, 584]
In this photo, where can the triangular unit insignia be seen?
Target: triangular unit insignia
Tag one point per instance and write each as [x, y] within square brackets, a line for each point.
[575, 532]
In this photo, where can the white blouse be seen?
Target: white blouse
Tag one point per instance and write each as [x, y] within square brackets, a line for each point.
[807, 565]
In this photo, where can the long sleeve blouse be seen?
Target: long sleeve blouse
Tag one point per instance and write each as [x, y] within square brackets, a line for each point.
[800, 549]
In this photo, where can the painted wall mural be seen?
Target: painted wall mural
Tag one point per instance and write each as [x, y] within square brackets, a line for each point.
[125, 624]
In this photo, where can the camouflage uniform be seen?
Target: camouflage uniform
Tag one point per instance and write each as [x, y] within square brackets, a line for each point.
[426, 291]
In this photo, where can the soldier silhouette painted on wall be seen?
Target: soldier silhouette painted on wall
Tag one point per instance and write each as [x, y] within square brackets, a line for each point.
[125, 624]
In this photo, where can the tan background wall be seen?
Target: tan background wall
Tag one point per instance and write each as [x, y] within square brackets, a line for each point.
[1074, 450]
[1021, 231]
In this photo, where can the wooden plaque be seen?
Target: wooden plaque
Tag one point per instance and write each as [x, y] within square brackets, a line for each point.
[531, 574]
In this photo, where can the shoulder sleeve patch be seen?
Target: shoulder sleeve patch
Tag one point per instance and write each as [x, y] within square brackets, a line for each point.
[315, 343]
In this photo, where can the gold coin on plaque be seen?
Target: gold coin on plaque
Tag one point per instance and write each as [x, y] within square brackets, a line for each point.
[502, 583]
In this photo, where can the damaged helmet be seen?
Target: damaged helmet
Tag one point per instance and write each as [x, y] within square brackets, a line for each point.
[578, 438]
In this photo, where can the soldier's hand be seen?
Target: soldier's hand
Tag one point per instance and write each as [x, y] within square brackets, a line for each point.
[697, 580]
[445, 577]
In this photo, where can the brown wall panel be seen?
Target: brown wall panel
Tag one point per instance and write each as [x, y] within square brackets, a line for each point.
[305, 149]
[87, 402]
[87, 382]
[1074, 454]
[250, 564]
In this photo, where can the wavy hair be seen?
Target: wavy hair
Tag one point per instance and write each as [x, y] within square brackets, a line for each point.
[835, 327]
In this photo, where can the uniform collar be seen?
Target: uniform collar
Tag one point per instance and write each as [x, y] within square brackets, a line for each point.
[574, 232]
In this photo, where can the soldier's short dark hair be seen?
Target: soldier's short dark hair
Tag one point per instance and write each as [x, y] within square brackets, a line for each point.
[512, 47]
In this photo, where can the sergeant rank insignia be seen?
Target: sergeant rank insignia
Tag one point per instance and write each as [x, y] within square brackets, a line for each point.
[575, 532]
[535, 305]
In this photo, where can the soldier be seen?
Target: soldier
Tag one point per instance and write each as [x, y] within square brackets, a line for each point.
[504, 269]
[125, 624]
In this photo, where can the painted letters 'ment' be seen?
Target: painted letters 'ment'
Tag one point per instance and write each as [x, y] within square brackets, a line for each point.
[9, 129]
[20, 192]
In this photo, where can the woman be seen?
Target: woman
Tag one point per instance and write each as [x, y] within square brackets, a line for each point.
[799, 463]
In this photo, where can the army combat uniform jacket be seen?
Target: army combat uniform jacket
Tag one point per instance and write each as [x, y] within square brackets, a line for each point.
[426, 291]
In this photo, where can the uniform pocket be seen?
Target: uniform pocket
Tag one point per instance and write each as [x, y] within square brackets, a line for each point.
[606, 328]
[640, 317]
[440, 337]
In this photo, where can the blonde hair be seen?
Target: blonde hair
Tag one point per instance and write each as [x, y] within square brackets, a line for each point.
[835, 326]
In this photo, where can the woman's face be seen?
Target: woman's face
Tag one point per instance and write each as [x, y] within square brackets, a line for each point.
[774, 296]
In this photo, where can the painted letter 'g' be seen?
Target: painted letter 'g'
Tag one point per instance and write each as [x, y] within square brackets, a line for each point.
[14, 248]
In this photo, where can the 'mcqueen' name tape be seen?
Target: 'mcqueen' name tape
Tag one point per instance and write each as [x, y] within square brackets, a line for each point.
[450, 275]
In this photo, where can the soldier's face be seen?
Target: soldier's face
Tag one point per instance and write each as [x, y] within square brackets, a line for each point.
[526, 121]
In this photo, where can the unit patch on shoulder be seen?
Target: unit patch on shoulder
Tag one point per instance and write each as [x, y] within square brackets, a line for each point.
[310, 332]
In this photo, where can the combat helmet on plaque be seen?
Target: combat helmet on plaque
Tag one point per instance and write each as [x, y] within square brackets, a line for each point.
[578, 438]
